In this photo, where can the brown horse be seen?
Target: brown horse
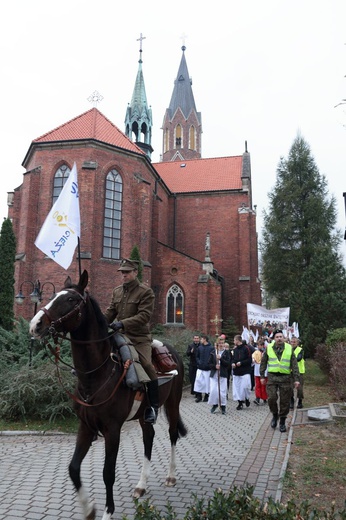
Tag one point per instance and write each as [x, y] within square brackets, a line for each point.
[103, 402]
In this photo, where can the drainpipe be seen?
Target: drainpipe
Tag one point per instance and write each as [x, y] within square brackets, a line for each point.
[174, 217]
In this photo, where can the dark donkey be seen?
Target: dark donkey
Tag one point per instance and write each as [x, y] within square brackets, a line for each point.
[103, 401]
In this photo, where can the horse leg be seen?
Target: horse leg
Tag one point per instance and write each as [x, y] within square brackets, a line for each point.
[148, 439]
[176, 430]
[84, 440]
[171, 479]
[112, 441]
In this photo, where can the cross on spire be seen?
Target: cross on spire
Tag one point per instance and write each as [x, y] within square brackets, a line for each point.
[183, 37]
[95, 98]
[140, 39]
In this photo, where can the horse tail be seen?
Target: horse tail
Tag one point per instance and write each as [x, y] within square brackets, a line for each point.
[182, 430]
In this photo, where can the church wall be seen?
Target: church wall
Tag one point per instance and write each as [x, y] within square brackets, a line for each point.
[161, 216]
[174, 268]
[33, 201]
[208, 306]
[218, 214]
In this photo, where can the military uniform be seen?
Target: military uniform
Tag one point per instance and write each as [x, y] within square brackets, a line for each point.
[132, 304]
[299, 353]
[280, 382]
[130, 311]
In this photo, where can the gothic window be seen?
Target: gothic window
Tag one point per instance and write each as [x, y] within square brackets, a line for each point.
[192, 138]
[60, 177]
[112, 216]
[178, 136]
[175, 305]
[166, 141]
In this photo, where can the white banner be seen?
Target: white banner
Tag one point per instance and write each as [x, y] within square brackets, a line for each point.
[258, 316]
[59, 234]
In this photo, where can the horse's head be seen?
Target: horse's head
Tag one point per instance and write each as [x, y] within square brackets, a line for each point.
[64, 312]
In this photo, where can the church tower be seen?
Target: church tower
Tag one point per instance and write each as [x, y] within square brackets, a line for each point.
[138, 120]
[182, 124]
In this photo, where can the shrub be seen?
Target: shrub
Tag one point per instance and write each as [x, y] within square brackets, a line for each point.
[323, 358]
[335, 337]
[237, 504]
[31, 392]
[35, 393]
[338, 370]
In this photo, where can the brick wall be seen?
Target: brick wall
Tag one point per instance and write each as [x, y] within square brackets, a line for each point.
[169, 231]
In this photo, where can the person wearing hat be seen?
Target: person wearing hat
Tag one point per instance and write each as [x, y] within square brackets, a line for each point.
[281, 362]
[130, 311]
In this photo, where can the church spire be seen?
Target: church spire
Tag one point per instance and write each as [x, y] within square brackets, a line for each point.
[182, 125]
[138, 119]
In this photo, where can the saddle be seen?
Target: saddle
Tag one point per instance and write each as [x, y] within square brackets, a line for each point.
[163, 361]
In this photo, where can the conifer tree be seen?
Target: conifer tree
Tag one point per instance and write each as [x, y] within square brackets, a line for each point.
[299, 236]
[135, 255]
[7, 259]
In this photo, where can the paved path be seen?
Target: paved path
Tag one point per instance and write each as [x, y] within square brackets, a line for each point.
[219, 451]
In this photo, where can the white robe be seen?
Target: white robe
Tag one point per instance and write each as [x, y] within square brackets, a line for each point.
[202, 381]
[214, 390]
[241, 387]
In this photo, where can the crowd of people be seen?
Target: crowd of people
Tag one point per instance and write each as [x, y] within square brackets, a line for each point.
[271, 366]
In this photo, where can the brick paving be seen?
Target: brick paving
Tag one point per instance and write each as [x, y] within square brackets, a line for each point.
[220, 451]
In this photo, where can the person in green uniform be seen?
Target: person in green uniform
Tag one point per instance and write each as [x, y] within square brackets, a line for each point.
[130, 311]
[299, 353]
[281, 362]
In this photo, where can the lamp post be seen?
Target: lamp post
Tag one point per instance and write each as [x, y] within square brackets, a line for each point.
[35, 297]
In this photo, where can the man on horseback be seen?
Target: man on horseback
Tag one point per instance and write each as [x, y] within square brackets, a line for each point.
[130, 311]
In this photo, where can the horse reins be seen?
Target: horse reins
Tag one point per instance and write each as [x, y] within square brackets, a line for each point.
[56, 352]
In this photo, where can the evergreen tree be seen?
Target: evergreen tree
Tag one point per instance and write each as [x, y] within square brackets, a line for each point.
[322, 297]
[7, 259]
[300, 263]
[135, 255]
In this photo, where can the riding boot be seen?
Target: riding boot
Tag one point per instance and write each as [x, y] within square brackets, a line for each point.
[282, 426]
[150, 414]
[292, 403]
[274, 420]
[300, 403]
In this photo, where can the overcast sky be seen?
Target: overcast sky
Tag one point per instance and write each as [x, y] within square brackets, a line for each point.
[262, 71]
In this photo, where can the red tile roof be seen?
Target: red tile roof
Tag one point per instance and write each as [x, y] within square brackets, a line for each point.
[220, 173]
[90, 125]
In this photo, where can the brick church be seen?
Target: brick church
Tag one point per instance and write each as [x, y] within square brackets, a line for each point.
[192, 218]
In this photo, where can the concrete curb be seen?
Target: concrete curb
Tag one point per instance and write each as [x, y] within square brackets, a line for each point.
[283, 470]
[12, 433]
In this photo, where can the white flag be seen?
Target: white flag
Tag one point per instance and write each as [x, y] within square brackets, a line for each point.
[59, 234]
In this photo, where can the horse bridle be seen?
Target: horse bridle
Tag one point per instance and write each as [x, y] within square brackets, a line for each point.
[76, 311]
[52, 330]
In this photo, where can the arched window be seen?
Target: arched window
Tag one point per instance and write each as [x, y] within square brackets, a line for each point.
[166, 141]
[175, 305]
[60, 177]
[178, 136]
[112, 220]
[192, 138]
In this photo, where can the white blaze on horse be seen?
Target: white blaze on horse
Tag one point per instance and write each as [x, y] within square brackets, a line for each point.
[103, 402]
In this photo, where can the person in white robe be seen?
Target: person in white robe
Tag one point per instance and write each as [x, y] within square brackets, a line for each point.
[219, 362]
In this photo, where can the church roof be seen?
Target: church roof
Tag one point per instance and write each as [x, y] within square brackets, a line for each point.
[90, 125]
[217, 174]
[182, 96]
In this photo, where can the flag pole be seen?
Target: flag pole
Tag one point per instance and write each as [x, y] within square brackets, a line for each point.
[344, 194]
[79, 259]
